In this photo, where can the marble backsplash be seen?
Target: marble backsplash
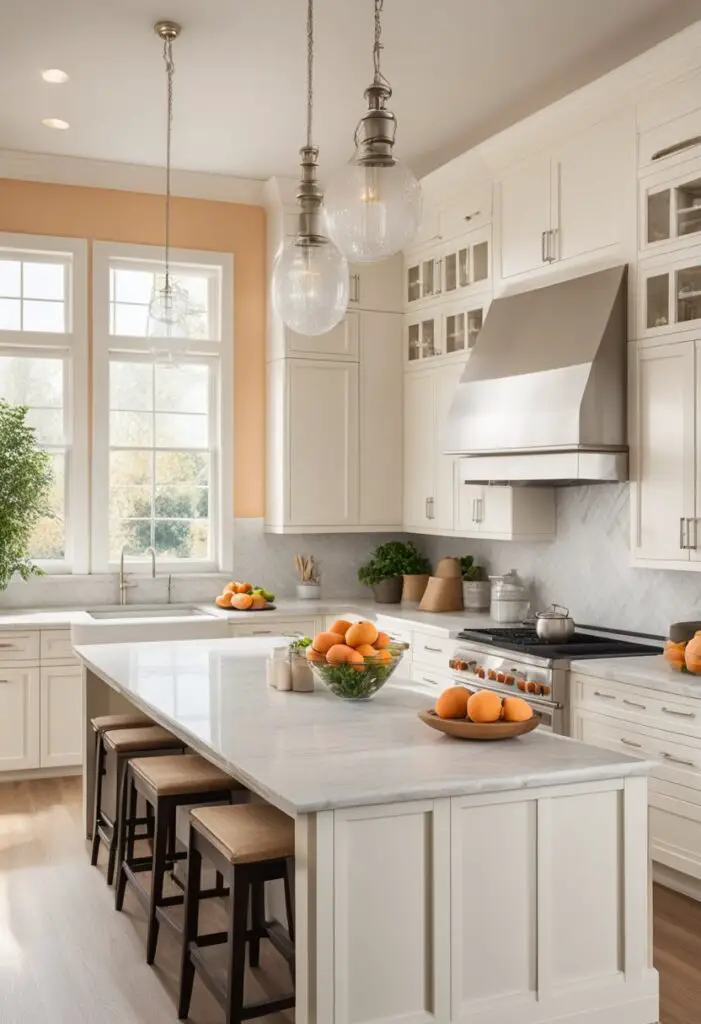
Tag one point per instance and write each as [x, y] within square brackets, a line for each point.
[586, 567]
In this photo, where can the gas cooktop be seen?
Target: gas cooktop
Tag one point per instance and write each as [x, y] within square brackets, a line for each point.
[580, 645]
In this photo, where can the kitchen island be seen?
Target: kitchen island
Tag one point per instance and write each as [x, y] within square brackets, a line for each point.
[436, 880]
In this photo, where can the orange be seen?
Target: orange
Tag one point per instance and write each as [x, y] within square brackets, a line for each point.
[259, 601]
[361, 633]
[517, 710]
[383, 656]
[224, 600]
[323, 641]
[484, 706]
[230, 588]
[341, 654]
[452, 703]
[242, 602]
[367, 651]
[243, 588]
[383, 640]
[340, 626]
[313, 655]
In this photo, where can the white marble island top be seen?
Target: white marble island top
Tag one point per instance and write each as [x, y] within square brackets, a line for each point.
[652, 673]
[313, 752]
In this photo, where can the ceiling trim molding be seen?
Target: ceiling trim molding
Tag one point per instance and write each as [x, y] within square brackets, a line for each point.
[65, 170]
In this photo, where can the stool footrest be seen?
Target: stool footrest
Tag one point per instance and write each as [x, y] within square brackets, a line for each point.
[213, 939]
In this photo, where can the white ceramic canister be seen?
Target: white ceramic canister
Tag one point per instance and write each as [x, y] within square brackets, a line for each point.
[278, 669]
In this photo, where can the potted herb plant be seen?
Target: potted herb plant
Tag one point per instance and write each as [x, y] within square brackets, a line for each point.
[417, 569]
[387, 567]
[309, 586]
[25, 479]
[475, 585]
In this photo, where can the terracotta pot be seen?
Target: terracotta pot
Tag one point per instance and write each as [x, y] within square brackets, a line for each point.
[414, 587]
[692, 654]
[388, 591]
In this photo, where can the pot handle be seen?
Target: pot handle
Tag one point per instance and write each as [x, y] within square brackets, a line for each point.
[554, 608]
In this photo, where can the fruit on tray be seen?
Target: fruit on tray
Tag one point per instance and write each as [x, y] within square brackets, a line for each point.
[350, 643]
[452, 703]
[255, 598]
[514, 709]
[484, 706]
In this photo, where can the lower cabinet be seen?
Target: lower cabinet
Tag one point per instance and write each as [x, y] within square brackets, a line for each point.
[61, 729]
[19, 718]
[278, 627]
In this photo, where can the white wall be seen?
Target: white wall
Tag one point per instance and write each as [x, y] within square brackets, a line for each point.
[586, 566]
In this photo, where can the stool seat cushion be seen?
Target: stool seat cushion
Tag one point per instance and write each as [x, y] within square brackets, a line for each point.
[181, 775]
[133, 721]
[151, 737]
[246, 833]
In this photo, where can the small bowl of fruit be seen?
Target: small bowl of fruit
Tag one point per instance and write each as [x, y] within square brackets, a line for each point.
[245, 597]
[480, 715]
[354, 659]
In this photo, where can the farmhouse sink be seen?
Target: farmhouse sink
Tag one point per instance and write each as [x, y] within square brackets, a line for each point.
[148, 611]
[137, 623]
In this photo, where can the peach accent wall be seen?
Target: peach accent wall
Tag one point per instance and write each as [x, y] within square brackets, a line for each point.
[113, 216]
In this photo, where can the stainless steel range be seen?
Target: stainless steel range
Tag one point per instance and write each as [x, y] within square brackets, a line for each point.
[515, 659]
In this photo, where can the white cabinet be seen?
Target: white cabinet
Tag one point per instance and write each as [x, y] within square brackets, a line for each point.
[322, 442]
[341, 342]
[669, 295]
[381, 420]
[377, 286]
[276, 627]
[570, 203]
[503, 513]
[61, 729]
[670, 209]
[663, 453]
[446, 380]
[19, 718]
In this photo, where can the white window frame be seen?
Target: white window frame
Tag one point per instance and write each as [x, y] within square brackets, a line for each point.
[72, 347]
[218, 354]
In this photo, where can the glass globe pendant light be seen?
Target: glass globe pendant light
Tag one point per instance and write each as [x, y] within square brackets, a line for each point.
[169, 307]
[373, 205]
[310, 276]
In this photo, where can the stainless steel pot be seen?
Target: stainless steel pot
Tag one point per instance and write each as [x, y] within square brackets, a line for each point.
[554, 625]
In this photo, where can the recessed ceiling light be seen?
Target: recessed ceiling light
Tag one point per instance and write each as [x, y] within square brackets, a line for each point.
[55, 122]
[55, 76]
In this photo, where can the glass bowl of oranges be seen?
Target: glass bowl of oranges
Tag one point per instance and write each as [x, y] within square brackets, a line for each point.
[354, 659]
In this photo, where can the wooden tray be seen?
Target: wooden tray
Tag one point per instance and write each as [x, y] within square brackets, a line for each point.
[464, 730]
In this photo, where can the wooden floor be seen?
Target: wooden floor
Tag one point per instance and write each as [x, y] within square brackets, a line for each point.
[66, 957]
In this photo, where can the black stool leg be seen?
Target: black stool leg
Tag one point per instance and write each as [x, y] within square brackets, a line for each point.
[193, 888]
[257, 922]
[160, 847]
[127, 814]
[236, 951]
[115, 841]
[99, 770]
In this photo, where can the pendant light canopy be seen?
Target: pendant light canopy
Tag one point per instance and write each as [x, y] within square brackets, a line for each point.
[310, 276]
[373, 205]
[169, 306]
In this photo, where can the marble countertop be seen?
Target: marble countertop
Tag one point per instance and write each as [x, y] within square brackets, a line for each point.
[652, 673]
[313, 752]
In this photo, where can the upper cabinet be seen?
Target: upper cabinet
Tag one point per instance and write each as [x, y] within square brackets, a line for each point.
[669, 294]
[670, 209]
[377, 286]
[572, 203]
[447, 329]
[450, 268]
[341, 342]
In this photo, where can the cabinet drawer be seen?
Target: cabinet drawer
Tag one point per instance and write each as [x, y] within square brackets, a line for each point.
[672, 142]
[433, 651]
[472, 210]
[396, 630]
[433, 682]
[19, 647]
[638, 706]
[675, 831]
[278, 627]
[56, 645]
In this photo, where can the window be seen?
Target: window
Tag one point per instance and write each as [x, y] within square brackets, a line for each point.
[162, 426]
[43, 345]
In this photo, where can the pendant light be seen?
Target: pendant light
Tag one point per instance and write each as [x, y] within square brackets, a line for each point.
[373, 205]
[310, 276]
[169, 306]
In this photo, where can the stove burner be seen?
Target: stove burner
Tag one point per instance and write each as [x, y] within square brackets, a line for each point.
[580, 645]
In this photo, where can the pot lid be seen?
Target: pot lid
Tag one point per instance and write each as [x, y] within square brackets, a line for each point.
[555, 611]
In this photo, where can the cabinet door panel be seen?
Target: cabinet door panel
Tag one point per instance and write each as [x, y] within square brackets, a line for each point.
[19, 718]
[419, 434]
[467, 498]
[443, 510]
[377, 286]
[663, 449]
[61, 716]
[381, 419]
[593, 191]
[525, 215]
[322, 436]
[341, 342]
[495, 513]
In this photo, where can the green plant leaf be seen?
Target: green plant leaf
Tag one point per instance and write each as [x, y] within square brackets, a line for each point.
[393, 558]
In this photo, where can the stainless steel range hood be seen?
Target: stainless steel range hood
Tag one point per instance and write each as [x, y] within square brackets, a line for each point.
[542, 398]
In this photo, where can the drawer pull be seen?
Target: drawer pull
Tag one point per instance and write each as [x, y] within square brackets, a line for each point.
[679, 714]
[606, 696]
[7, 647]
[431, 682]
[629, 743]
[433, 650]
[632, 704]
[261, 632]
[676, 147]
[677, 760]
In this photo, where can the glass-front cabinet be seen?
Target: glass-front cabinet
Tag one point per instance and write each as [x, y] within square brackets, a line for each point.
[464, 263]
[671, 209]
[670, 295]
[423, 279]
[422, 339]
[448, 331]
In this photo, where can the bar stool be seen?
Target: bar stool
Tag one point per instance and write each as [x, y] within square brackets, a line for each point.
[124, 741]
[250, 844]
[165, 783]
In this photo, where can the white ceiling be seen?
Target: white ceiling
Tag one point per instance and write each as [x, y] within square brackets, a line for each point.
[460, 69]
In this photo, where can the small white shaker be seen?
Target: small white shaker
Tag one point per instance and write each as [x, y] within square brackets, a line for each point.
[278, 670]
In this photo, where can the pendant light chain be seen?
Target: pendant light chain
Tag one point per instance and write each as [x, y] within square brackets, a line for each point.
[170, 72]
[310, 69]
[378, 47]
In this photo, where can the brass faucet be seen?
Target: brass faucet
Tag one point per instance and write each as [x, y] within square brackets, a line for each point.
[123, 584]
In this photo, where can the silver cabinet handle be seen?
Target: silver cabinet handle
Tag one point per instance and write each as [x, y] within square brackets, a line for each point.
[677, 147]
[439, 277]
[480, 509]
[474, 510]
[433, 650]
[543, 251]
[695, 545]
[426, 511]
[677, 760]
[629, 743]
[431, 682]
[261, 632]
[431, 508]
[354, 288]
[606, 696]
[470, 216]
[552, 255]
[8, 647]
[632, 704]
[682, 526]
[679, 714]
